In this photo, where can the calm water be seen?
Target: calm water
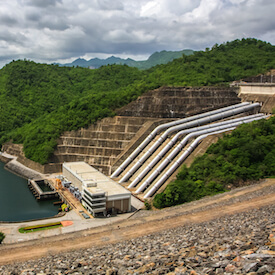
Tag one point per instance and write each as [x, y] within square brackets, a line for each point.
[17, 203]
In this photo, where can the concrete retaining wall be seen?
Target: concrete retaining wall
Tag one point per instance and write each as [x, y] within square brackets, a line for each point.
[259, 92]
[4, 159]
[258, 89]
[179, 102]
[21, 170]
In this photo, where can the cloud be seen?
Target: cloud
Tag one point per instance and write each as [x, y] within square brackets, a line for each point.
[42, 3]
[203, 13]
[110, 4]
[7, 20]
[12, 38]
[50, 30]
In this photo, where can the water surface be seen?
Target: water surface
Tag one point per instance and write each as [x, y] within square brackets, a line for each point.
[17, 203]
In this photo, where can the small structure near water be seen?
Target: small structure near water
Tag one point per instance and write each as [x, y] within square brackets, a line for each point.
[42, 189]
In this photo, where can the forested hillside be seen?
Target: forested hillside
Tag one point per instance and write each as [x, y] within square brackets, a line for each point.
[246, 154]
[38, 102]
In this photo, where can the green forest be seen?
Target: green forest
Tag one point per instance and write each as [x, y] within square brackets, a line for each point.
[38, 102]
[247, 154]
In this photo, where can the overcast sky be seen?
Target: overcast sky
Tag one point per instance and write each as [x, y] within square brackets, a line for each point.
[63, 30]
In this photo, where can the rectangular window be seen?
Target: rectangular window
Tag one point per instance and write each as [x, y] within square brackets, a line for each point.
[95, 202]
[93, 196]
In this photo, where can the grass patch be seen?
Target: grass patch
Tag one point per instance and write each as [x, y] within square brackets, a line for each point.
[34, 228]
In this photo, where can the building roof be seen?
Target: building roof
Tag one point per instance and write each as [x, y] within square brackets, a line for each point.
[96, 182]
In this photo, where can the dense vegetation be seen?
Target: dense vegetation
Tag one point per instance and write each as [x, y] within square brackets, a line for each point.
[38, 102]
[2, 237]
[246, 154]
[223, 63]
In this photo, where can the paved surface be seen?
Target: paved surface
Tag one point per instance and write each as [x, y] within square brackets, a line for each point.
[79, 223]
[222, 206]
[73, 202]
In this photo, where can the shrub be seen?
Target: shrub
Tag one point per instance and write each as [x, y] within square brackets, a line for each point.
[148, 205]
[2, 237]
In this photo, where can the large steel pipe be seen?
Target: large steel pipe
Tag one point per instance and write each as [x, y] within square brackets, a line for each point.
[179, 161]
[164, 126]
[187, 125]
[174, 140]
[178, 148]
[184, 155]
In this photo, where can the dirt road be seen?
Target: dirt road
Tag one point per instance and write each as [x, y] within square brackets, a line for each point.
[141, 226]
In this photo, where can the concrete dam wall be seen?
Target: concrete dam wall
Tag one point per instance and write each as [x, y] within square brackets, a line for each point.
[110, 140]
[99, 144]
[179, 102]
[259, 92]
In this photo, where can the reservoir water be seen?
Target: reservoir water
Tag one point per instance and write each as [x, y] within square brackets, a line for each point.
[17, 203]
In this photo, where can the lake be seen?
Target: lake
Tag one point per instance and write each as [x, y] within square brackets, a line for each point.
[17, 203]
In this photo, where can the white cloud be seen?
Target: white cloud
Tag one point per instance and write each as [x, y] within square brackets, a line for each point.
[42, 3]
[151, 8]
[49, 30]
[236, 2]
[110, 4]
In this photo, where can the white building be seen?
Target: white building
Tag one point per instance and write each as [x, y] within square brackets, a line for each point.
[99, 193]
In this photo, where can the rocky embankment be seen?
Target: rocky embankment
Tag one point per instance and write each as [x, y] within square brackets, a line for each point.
[242, 243]
[19, 169]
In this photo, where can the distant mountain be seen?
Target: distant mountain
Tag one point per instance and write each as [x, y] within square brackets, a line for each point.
[156, 58]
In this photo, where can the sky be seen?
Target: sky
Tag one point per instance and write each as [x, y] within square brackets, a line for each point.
[50, 31]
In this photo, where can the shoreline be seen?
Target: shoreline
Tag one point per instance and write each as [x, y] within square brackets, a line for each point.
[58, 215]
[20, 170]
[17, 168]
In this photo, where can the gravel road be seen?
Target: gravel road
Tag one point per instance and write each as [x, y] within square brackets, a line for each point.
[231, 233]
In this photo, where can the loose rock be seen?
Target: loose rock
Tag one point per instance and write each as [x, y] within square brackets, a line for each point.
[236, 244]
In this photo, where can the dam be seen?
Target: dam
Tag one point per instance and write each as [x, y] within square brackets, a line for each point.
[110, 142]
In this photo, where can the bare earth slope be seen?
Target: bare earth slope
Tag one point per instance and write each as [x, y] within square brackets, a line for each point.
[253, 205]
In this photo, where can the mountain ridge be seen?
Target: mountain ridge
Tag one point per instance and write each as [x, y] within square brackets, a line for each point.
[157, 58]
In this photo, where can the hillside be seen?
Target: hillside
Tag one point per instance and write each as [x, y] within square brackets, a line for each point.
[156, 58]
[39, 102]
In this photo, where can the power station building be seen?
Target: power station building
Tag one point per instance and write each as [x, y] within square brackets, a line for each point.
[99, 193]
